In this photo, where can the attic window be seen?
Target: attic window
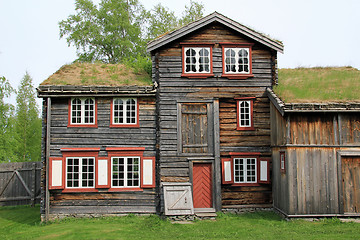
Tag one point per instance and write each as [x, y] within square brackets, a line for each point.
[82, 112]
[237, 60]
[197, 60]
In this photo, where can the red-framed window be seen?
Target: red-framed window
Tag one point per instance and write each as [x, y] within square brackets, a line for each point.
[75, 171]
[129, 170]
[282, 162]
[82, 170]
[197, 60]
[245, 113]
[124, 113]
[245, 169]
[237, 60]
[82, 112]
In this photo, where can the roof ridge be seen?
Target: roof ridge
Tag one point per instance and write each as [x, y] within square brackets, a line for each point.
[215, 16]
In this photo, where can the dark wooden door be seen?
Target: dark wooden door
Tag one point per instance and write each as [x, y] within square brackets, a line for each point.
[350, 168]
[202, 185]
[195, 128]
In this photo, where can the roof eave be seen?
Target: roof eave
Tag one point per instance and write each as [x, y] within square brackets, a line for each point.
[331, 107]
[44, 91]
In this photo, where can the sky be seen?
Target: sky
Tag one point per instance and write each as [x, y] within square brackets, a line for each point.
[314, 32]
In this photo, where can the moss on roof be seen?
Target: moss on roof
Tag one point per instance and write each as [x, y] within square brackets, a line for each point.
[319, 84]
[98, 74]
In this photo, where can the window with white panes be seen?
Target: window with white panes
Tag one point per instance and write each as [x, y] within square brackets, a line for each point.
[124, 111]
[82, 111]
[245, 170]
[237, 60]
[125, 172]
[197, 60]
[80, 172]
[245, 114]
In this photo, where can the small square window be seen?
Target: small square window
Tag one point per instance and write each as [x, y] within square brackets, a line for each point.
[80, 172]
[124, 112]
[82, 112]
[245, 170]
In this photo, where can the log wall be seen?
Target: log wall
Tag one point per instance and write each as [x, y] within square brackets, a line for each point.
[103, 136]
[167, 69]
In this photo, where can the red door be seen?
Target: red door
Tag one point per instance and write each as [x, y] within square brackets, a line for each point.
[202, 185]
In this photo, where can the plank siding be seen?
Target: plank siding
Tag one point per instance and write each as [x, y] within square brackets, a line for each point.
[173, 88]
[310, 184]
[102, 137]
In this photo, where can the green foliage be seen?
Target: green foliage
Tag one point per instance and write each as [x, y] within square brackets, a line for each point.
[116, 31]
[6, 122]
[192, 13]
[109, 32]
[27, 125]
[23, 223]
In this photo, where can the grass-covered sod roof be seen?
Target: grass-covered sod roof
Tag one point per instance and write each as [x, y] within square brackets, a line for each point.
[319, 85]
[98, 74]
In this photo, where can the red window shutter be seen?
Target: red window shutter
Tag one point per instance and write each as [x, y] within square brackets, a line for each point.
[56, 173]
[227, 171]
[264, 170]
[147, 172]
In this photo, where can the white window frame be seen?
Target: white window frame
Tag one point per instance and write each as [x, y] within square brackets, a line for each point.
[249, 102]
[80, 172]
[197, 59]
[245, 170]
[237, 50]
[125, 112]
[126, 171]
[82, 112]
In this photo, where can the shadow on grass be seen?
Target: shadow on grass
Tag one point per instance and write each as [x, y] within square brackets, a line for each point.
[21, 214]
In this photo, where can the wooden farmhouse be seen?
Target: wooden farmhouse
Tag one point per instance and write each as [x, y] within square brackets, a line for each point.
[99, 137]
[204, 134]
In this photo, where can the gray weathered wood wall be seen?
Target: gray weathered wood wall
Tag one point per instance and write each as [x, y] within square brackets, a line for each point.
[174, 89]
[103, 136]
[20, 183]
[310, 184]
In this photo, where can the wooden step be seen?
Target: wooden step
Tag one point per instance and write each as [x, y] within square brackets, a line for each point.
[206, 214]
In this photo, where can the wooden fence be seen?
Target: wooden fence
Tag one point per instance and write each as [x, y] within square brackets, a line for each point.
[20, 183]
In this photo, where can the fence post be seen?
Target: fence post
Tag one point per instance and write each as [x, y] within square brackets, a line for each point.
[33, 185]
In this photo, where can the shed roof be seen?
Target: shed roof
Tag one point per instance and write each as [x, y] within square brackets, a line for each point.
[319, 89]
[215, 17]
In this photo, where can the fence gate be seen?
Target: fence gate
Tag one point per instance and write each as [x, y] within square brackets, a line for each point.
[20, 183]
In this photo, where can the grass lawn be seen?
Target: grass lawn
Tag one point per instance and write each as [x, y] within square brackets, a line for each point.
[24, 223]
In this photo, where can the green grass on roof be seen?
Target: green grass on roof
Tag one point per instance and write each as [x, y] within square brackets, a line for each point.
[319, 84]
[98, 74]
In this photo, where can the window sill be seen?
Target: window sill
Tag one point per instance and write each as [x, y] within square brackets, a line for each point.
[237, 76]
[74, 190]
[245, 128]
[245, 184]
[125, 125]
[125, 189]
[82, 126]
[197, 75]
